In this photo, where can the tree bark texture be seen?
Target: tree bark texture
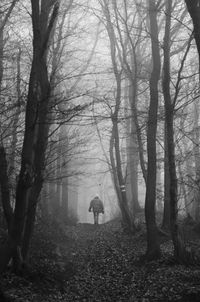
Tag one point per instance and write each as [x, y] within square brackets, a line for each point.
[193, 7]
[153, 247]
[36, 129]
[119, 184]
[133, 156]
[179, 249]
[4, 180]
[4, 187]
[166, 213]
[14, 133]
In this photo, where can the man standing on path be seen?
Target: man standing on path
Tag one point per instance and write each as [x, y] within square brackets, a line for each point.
[96, 205]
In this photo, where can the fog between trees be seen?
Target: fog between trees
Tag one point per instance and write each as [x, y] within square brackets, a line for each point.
[98, 97]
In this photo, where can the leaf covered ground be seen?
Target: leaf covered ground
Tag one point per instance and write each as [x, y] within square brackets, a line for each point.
[99, 263]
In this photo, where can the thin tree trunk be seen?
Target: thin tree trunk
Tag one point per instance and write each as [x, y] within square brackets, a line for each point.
[179, 249]
[4, 187]
[196, 152]
[4, 181]
[65, 201]
[133, 158]
[7, 16]
[153, 246]
[128, 222]
[166, 213]
[120, 189]
[133, 103]
[114, 141]
[12, 157]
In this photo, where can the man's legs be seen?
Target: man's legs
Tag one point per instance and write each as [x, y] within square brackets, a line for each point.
[96, 217]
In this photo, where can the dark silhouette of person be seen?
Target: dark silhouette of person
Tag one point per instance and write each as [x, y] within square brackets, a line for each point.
[96, 205]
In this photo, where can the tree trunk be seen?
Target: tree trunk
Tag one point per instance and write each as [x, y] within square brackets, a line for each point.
[116, 164]
[127, 221]
[30, 219]
[159, 193]
[4, 181]
[193, 7]
[12, 157]
[1, 58]
[133, 103]
[65, 201]
[4, 187]
[133, 158]
[196, 152]
[166, 213]
[44, 201]
[153, 246]
[194, 11]
[36, 130]
[179, 249]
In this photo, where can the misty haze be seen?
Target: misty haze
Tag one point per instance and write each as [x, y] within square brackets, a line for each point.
[99, 150]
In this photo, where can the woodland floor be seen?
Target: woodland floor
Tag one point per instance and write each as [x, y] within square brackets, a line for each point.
[99, 263]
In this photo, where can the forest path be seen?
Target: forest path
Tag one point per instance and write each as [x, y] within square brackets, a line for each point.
[88, 263]
[98, 261]
[102, 264]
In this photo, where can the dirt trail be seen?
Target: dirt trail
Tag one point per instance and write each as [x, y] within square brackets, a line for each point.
[105, 267]
[91, 263]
